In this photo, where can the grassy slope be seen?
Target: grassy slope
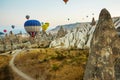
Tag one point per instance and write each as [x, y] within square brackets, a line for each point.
[53, 64]
[5, 71]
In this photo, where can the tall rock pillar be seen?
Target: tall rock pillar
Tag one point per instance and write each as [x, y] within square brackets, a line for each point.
[100, 64]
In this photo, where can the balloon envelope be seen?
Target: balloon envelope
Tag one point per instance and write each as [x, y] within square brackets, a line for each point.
[27, 16]
[13, 26]
[5, 30]
[87, 16]
[65, 1]
[68, 19]
[45, 26]
[32, 27]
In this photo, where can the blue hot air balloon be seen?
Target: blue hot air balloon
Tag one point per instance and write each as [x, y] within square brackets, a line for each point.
[32, 27]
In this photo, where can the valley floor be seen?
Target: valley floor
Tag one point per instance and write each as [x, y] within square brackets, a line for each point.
[50, 64]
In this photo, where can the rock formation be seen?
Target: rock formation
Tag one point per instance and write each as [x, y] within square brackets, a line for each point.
[43, 39]
[104, 45]
[77, 38]
[118, 31]
[93, 22]
[116, 55]
[61, 32]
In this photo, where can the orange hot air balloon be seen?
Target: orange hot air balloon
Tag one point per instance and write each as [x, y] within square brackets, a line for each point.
[65, 1]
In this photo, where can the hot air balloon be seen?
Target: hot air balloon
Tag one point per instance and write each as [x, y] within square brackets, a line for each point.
[92, 13]
[65, 1]
[87, 16]
[4, 30]
[13, 26]
[45, 26]
[32, 27]
[68, 19]
[27, 17]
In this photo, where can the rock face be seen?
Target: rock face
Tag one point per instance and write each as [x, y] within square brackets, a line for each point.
[61, 32]
[71, 39]
[118, 30]
[100, 65]
[116, 56]
[77, 38]
[44, 39]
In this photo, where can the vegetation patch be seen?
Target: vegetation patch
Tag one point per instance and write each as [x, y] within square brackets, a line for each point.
[53, 64]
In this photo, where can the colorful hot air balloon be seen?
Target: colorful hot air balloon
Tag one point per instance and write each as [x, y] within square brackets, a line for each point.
[27, 17]
[4, 30]
[32, 27]
[45, 26]
[65, 1]
[13, 26]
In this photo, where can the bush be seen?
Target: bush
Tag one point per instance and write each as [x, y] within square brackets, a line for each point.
[55, 67]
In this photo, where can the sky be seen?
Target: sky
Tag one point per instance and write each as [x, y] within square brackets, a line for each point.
[56, 12]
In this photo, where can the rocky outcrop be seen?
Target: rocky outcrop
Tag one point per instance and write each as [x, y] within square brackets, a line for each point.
[61, 32]
[76, 38]
[118, 30]
[116, 56]
[85, 35]
[103, 49]
[93, 22]
[43, 39]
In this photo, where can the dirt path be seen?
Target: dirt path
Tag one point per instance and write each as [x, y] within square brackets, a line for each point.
[15, 69]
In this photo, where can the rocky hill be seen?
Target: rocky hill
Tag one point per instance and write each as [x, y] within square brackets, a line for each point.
[79, 34]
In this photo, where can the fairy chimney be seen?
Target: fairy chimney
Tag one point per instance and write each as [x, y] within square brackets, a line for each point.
[61, 32]
[93, 22]
[100, 64]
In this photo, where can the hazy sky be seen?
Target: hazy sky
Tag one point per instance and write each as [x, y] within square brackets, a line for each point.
[54, 11]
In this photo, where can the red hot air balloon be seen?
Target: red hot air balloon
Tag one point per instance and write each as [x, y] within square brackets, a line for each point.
[65, 1]
[5, 30]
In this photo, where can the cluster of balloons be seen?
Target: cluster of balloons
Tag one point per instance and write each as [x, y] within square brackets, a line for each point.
[12, 26]
[33, 26]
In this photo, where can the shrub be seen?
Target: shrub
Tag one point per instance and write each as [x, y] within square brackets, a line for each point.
[55, 67]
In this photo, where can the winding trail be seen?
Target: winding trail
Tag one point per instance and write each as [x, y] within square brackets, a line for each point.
[15, 69]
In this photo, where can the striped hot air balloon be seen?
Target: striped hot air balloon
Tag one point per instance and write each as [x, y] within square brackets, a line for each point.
[32, 27]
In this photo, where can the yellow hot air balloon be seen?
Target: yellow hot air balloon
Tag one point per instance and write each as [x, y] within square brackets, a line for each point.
[45, 26]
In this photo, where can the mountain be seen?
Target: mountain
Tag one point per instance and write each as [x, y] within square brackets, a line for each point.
[79, 35]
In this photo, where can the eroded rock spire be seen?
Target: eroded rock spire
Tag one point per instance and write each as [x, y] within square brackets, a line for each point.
[93, 22]
[100, 62]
